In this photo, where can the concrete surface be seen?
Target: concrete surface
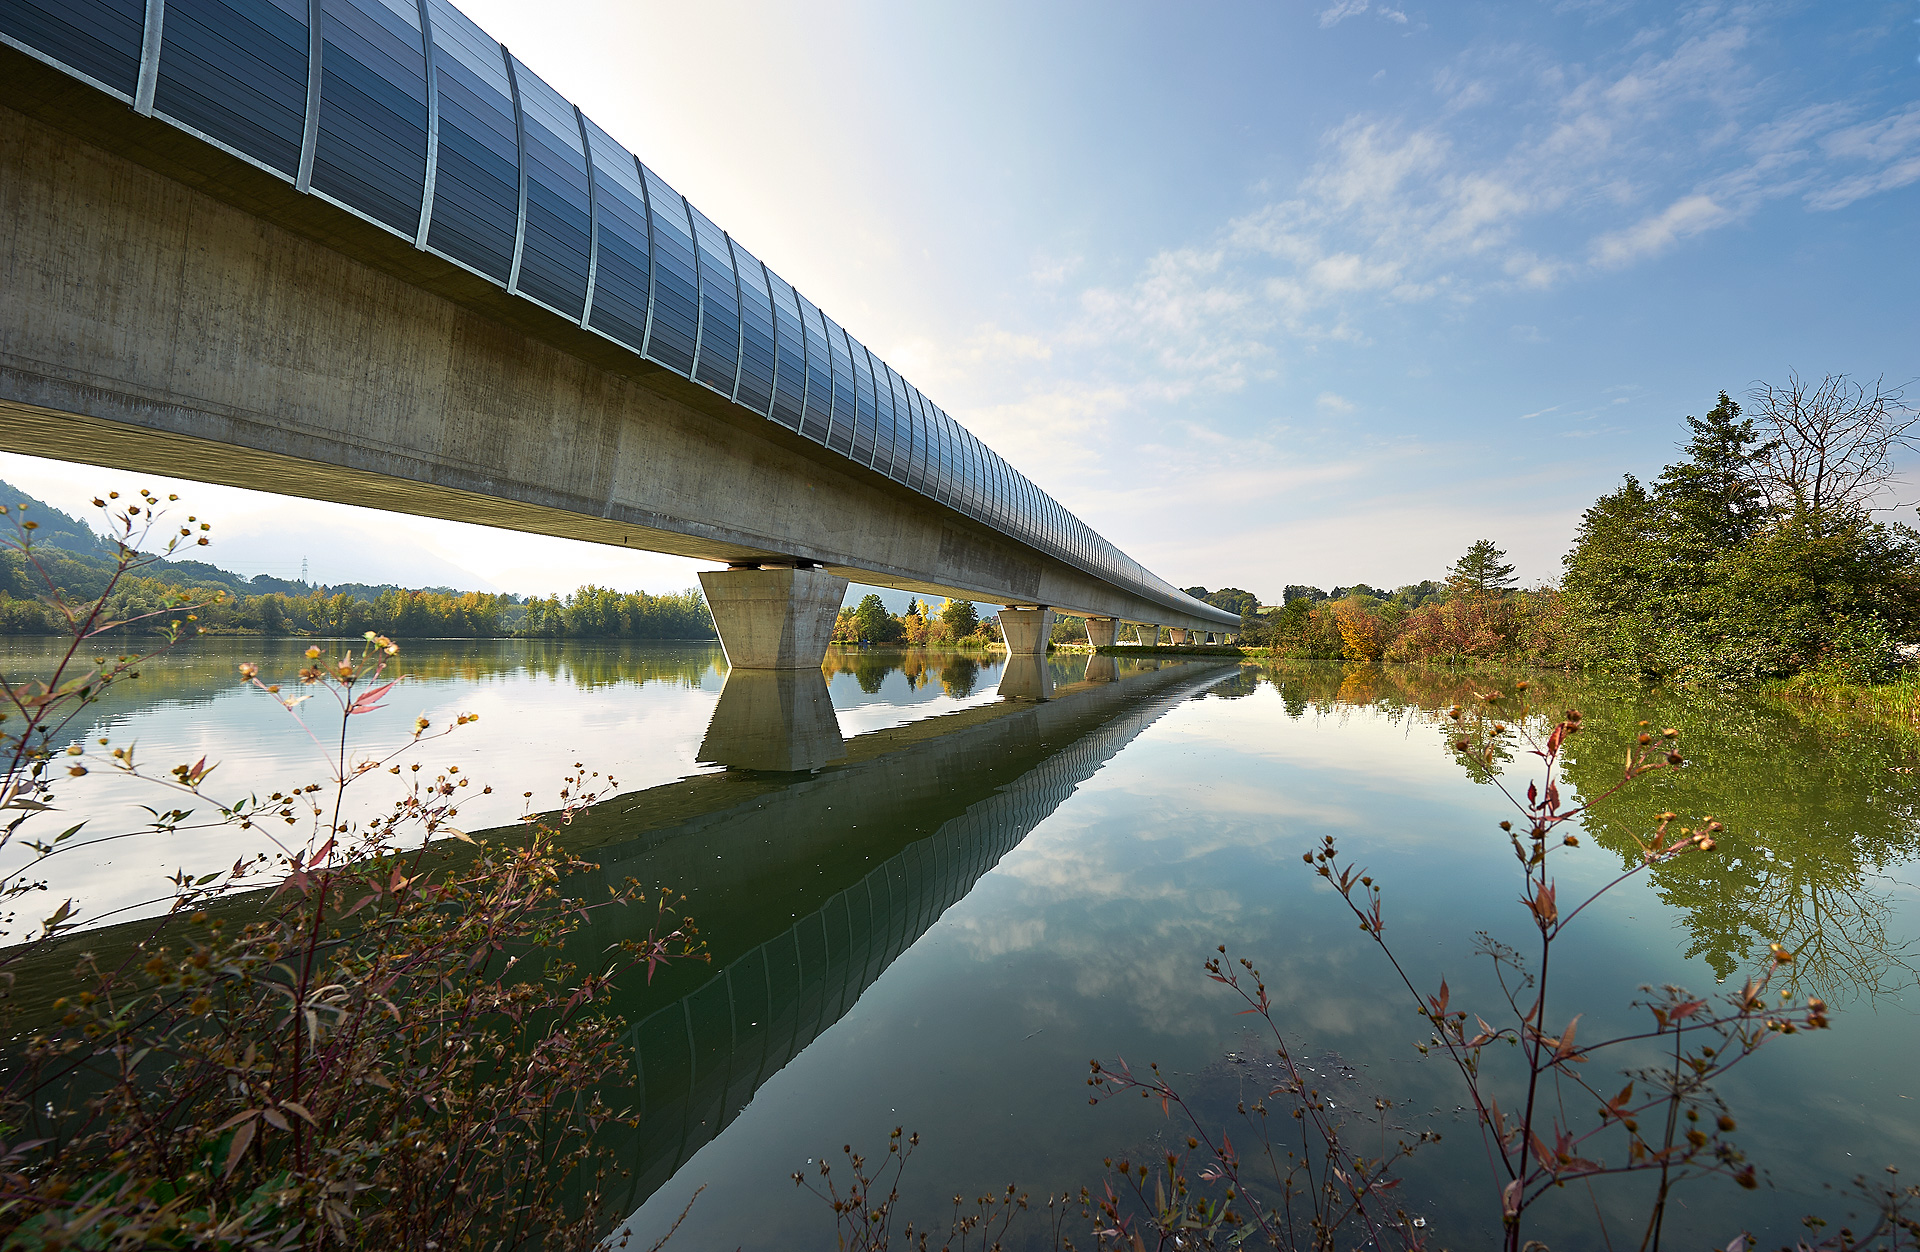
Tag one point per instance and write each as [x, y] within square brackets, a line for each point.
[774, 618]
[1026, 630]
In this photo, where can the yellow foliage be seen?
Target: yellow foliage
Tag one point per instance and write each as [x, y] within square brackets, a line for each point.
[1359, 631]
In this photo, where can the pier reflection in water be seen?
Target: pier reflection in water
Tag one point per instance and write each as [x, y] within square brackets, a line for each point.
[774, 719]
[867, 854]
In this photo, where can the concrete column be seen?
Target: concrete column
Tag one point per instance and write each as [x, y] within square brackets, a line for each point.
[1102, 631]
[1149, 635]
[774, 719]
[774, 618]
[1176, 636]
[1026, 630]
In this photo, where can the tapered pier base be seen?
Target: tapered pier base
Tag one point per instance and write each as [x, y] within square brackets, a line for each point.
[1026, 630]
[774, 618]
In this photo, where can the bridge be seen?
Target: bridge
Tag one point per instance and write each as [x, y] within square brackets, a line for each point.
[356, 250]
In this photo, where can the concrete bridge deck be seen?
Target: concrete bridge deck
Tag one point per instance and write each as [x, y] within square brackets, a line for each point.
[525, 327]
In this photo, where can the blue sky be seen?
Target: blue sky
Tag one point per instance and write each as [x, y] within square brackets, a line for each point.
[1271, 293]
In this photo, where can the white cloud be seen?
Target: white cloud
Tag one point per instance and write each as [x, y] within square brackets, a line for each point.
[1331, 402]
[1606, 164]
[1892, 143]
[991, 343]
[1341, 11]
[1689, 215]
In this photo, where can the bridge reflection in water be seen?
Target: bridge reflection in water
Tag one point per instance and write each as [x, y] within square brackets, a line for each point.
[868, 853]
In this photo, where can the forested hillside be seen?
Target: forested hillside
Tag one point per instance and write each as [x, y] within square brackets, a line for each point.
[79, 562]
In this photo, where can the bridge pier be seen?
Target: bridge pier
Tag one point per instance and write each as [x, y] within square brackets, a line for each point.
[774, 618]
[1149, 634]
[1176, 636]
[1102, 631]
[1025, 629]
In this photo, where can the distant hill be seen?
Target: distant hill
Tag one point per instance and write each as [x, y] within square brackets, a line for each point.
[82, 552]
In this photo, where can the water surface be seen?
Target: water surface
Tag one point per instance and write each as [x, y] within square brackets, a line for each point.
[935, 886]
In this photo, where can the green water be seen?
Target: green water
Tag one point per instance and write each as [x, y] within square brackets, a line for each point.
[968, 896]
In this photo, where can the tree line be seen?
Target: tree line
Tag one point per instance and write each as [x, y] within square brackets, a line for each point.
[955, 624]
[1758, 555]
[589, 613]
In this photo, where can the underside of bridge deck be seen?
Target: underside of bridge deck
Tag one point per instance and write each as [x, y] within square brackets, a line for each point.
[151, 327]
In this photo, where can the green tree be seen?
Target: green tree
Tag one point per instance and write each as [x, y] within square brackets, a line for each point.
[1715, 501]
[1234, 600]
[1482, 569]
[871, 621]
[960, 617]
[1700, 579]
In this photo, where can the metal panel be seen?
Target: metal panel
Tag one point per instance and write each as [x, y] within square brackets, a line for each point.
[556, 233]
[902, 429]
[920, 473]
[98, 40]
[996, 487]
[621, 265]
[939, 454]
[840, 432]
[673, 330]
[972, 500]
[790, 355]
[718, 359]
[235, 71]
[863, 404]
[883, 435]
[818, 415]
[476, 177]
[757, 357]
[370, 135]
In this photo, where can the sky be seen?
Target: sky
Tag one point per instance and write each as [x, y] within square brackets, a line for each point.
[1266, 293]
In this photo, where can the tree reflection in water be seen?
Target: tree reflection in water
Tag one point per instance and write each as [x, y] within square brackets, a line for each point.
[1821, 812]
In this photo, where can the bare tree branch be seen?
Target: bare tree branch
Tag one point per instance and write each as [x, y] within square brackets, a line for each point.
[1828, 446]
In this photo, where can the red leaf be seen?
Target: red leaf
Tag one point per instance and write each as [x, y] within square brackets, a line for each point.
[241, 1138]
[367, 702]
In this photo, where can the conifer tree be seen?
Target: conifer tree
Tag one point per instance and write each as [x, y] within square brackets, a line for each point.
[1482, 569]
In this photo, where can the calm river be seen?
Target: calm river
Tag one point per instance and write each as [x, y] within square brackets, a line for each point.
[936, 885]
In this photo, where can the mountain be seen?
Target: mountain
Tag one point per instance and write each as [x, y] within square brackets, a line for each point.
[78, 556]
